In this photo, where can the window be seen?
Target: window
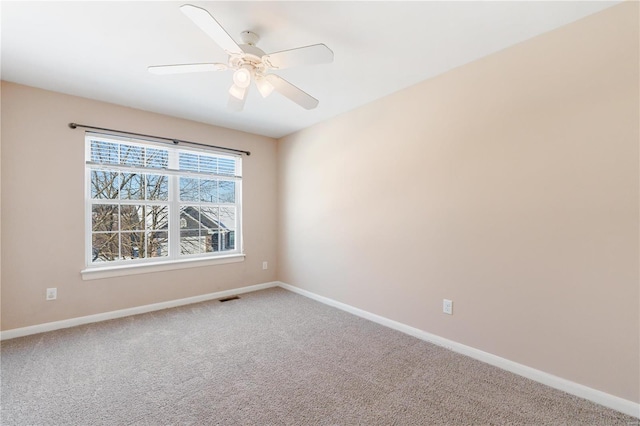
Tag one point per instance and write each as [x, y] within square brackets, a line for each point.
[149, 203]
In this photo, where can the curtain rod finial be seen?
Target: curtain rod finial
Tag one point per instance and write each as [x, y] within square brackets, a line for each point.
[72, 125]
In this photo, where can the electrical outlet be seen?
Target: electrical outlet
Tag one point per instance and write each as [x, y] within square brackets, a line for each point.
[265, 265]
[52, 293]
[447, 306]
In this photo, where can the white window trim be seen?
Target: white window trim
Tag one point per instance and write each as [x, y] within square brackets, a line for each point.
[93, 271]
[96, 273]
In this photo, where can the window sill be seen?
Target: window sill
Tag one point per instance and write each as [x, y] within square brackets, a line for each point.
[97, 273]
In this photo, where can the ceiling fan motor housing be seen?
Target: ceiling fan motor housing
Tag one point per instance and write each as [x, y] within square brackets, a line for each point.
[252, 56]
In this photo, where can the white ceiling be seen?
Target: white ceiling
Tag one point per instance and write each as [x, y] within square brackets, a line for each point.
[101, 50]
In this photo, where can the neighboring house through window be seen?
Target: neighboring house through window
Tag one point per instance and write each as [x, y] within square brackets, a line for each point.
[156, 203]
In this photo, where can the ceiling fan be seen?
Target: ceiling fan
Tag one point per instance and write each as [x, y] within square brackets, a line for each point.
[250, 63]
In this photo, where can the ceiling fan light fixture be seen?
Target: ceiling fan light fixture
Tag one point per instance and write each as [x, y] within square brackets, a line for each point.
[237, 91]
[242, 78]
[264, 87]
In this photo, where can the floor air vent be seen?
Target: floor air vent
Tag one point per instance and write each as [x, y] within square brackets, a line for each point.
[226, 299]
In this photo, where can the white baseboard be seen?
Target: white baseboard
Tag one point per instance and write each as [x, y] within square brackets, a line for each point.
[619, 404]
[72, 322]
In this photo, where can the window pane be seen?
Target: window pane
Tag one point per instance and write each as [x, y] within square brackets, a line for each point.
[188, 162]
[105, 247]
[228, 217]
[104, 185]
[104, 152]
[227, 240]
[189, 217]
[131, 155]
[209, 218]
[208, 164]
[157, 218]
[231, 240]
[189, 189]
[191, 242]
[132, 245]
[208, 191]
[132, 217]
[226, 166]
[132, 186]
[227, 191]
[227, 228]
[158, 158]
[214, 241]
[157, 244]
[157, 187]
[104, 217]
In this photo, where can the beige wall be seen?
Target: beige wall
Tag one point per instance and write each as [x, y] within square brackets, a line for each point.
[43, 210]
[509, 185]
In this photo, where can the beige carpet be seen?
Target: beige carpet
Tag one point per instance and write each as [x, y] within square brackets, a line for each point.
[270, 358]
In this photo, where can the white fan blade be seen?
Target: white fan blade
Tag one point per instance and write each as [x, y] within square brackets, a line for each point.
[184, 68]
[290, 91]
[237, 98]
[209, 25]
[308, 55]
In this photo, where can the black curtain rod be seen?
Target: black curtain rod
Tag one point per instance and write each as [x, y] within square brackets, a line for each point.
[175, 141]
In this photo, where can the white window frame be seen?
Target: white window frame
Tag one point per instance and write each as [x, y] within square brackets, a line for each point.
[173, 260]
